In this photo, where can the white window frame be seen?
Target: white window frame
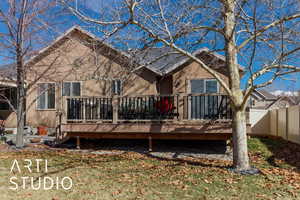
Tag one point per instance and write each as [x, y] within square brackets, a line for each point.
[71, 88]
[46, 94]
[205, 92]
[204, 85]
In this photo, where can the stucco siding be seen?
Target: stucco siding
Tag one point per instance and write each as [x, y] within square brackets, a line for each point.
[74, 61]
[193, 70]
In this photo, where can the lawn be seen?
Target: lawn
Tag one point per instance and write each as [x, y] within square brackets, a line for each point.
[134, 175]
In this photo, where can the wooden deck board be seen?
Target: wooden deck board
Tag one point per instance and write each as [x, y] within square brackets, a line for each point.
[180, 131]
[161, 136]
[147, 128]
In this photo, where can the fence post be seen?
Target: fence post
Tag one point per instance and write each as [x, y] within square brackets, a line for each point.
[299, 125]
[287, 124]
[277, 122]
[115, 106]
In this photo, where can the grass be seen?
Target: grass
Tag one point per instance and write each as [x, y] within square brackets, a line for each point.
[137, 176]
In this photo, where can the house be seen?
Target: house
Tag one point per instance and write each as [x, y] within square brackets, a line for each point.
[8, 91]
[261, 102]
[82, 87]
[283, 102]
[264, 100]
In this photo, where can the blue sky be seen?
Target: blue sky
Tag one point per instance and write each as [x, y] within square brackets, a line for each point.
[93, 6]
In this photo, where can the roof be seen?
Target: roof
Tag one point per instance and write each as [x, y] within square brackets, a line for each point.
[283, 98]
[8, 71]
[160, 60]
[265, 95]
[8, 75]
[164, 60]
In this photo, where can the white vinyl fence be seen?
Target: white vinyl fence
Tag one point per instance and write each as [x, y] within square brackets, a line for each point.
[284, 123]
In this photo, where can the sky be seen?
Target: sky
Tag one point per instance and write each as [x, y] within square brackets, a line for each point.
[93, 6]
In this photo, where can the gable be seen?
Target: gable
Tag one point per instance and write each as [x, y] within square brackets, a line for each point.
[77, 34]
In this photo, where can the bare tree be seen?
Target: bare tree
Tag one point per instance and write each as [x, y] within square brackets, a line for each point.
[21, 35]
[261, 34]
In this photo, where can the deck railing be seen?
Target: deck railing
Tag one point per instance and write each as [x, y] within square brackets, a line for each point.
[207, 106]
[89, 108]
[152, 107]
[149, 108]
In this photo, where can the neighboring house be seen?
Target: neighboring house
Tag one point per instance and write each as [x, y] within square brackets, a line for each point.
[86, 88]
[8, 91]
[264, 100]
[283, 102]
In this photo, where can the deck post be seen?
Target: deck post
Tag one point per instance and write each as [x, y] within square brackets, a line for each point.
[58, 133]
[150, 144]
[115, 108]
[65, 110]
[180, 105]
[229, 145]
[77, 142]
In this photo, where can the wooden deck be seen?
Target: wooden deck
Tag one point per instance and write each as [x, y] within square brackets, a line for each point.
[199, 117]
[188, 131]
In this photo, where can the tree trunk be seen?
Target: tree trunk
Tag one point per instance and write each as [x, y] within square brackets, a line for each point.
[20, 76]
[21, 103]
[240, 148]
[20, 120]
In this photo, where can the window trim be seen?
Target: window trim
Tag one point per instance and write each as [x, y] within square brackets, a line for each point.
[204, 85]
[71, 87]
[46, 109]
[205, 80]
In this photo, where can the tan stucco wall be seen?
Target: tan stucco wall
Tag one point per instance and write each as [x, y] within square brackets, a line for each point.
[59, 66]
[192, 71]
[62, 65]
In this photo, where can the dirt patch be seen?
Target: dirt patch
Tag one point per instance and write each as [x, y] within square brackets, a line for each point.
[4, 147]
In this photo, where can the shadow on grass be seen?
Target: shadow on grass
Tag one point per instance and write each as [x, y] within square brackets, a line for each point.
[282, 150]
[175, 147]
[141, 146]
[179, 161]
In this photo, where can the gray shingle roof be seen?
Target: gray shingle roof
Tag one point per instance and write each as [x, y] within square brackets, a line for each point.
[159, 59]
[164, 60]
[8, 71]
[267, 94]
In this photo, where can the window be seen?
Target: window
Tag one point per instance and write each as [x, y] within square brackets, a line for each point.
[201, 106]
[46, 96]
[116, 87]
[204, 86]
[71, 89]
[197, 86]
[211, 86]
